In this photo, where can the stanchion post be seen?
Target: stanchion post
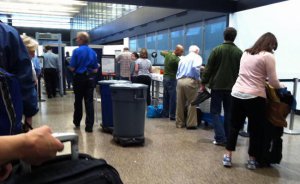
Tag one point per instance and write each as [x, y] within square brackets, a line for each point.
[40, 90]
[290, 129]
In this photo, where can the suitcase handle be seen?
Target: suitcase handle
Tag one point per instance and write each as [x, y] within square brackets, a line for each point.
[73, 138]
[63, 137]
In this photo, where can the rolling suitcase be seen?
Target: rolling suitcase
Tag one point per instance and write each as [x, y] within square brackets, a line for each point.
[67, 169]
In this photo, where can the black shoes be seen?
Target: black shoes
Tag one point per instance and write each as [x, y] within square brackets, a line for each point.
[88, 129]
[172, 119]
[77, 125]
[191, 128]
[202, 96]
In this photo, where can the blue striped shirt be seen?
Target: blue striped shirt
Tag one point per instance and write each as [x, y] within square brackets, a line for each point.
[189, 66]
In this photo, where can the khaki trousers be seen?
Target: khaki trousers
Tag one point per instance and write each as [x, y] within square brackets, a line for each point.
[187, 90]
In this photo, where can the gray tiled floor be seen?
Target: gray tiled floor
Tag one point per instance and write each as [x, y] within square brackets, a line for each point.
[172, 155]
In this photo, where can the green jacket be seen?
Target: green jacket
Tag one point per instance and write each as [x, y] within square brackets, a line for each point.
[223, 66]
[171, 64]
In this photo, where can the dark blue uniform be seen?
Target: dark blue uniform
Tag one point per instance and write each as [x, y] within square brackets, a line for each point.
[84, 61]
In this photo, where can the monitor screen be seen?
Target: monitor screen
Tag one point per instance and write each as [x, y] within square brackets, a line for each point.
[108, 64]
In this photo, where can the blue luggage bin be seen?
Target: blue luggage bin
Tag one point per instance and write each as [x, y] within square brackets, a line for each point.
[106, 103]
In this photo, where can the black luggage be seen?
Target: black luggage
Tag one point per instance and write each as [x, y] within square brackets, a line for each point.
[66, 169]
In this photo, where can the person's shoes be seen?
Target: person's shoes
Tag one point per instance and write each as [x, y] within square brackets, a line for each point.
[164, 116]
[179, 126]
[172, 119]
[244, 134]
[217, 143]
[191, 128]
[88, 129]
[251, 164]
[227, 161]
[49, 96]
[77, 125]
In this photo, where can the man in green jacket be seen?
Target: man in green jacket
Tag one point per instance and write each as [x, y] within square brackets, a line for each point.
[170, 82]
[220, 74]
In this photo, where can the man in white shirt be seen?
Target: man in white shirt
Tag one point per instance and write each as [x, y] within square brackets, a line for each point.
[188, 80]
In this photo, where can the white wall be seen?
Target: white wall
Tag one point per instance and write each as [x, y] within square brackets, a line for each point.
[70, 49]
[282, 19]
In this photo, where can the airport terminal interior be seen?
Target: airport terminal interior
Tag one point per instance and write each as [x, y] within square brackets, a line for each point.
[169, 155]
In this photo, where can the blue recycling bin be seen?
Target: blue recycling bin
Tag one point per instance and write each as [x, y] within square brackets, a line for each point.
[106, 103]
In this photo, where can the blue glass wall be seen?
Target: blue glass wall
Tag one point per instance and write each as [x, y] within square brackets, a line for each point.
[206, 35]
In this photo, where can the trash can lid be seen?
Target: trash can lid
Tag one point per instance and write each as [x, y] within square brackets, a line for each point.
[128, 86]
[108, 82]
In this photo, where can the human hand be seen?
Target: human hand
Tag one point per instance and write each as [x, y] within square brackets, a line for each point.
[5, 171]
[202, 87]
[40, 146]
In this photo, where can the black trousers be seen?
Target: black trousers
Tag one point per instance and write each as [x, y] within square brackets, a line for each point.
[145, 79]
[51, 78]
[83, 86]
[255, 110]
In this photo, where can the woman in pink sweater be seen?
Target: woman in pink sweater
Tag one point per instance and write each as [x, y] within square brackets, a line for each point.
[249, 96]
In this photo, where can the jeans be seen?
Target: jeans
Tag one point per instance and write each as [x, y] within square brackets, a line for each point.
[217, 98]
[169, 98]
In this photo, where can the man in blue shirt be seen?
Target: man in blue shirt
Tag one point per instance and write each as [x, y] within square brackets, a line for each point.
[84, 65]
[51, 69]
[15, 59]
[188, 80]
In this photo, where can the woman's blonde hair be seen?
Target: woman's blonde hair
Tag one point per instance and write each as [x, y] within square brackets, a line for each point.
[143, 53]
[30, 43]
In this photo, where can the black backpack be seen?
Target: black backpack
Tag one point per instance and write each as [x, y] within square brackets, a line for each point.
[63, 170]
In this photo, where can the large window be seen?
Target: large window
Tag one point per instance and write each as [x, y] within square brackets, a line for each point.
[177, 37]
[132, 44]
[194, 36]
[3, 18]
[140, 42]
[162, 44]
[151, 45]
[213, 35]
[205, 34]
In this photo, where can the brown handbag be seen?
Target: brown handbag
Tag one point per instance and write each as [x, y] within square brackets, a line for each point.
[276, 111]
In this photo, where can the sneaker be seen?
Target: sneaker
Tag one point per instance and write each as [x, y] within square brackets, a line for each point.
[219, 143]
[251, 164]
[227, 161]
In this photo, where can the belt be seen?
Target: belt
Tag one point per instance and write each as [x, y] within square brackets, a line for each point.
[188, 78]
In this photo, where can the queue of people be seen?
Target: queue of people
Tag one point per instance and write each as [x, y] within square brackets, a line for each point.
[236, 80]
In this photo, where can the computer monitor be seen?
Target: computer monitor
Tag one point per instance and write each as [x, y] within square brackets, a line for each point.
[108, 65]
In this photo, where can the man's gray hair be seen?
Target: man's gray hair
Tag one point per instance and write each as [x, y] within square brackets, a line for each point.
[194, 48]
